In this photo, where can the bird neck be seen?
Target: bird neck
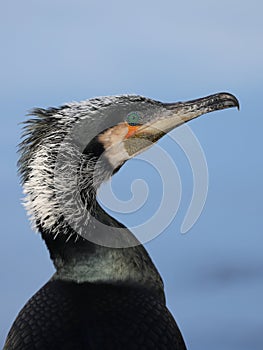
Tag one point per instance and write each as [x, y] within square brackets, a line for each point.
[81, 260]
[61, 198]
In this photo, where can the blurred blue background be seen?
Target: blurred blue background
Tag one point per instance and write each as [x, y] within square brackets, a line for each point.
[58, 51]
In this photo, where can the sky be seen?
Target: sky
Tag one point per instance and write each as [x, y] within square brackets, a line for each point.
[53, 52]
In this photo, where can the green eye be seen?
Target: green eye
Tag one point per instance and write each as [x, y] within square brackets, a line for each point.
[133, 118]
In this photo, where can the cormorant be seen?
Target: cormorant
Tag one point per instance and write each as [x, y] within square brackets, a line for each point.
[106, 292]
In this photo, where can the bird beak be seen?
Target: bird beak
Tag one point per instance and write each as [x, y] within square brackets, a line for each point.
[173, 115]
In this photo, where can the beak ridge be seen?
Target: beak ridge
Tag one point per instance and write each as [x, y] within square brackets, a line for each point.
[213, 102]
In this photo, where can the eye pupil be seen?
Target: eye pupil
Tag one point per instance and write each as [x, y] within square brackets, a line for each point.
[133, 118]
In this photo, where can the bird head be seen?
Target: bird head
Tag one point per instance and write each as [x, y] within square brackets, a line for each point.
[68, 152]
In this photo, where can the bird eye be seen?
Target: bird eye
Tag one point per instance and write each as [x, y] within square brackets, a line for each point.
[133, 118]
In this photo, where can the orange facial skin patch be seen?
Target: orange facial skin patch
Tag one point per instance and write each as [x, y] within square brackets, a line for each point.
[131, 130]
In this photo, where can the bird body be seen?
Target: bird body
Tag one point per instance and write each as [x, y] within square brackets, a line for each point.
[106, 292]
[94, 316]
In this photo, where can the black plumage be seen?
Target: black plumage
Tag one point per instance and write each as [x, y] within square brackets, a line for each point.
[94, 316]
